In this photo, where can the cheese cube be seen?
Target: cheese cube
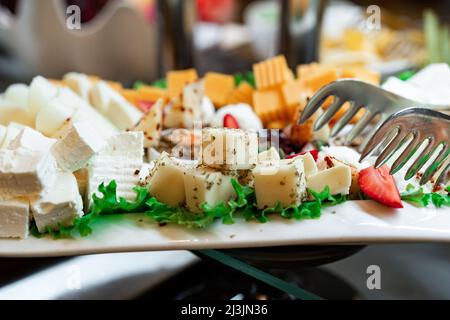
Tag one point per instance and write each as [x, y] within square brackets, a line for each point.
[75, 149]
[177, 79]
[14, 218]
[152, 94]
[177, 116]
[269, 155]
[17, 94]
[101, 95]
[229, 149]
[131, 95]
[167, 172]
[24, 172]
[41, 92]
[318, 79]
[338, 179]
[203, 185]
[272, 72]
[283, 182]
[31, 140]
[309, 164]
[53, 115]
[82, 181]
[126, 144]
[59, 205]
[218, 87]
[79, 83]
[151, 125]
[12, 131]
[11, 111]
[242, 94]
[122, 113]
[268, 105]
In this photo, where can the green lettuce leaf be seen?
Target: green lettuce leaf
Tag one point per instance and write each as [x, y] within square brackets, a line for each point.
[417, 196]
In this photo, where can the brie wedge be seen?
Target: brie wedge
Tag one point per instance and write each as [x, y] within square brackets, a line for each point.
[338, 179]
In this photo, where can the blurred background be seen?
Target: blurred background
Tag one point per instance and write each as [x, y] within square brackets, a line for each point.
[139, 40]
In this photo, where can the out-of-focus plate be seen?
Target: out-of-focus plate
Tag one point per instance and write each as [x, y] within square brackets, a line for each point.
[353, 222]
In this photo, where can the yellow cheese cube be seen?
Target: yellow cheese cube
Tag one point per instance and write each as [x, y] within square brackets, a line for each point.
[272, 72]
[317, 80]
[132, 96]
[176, 80]
[218, 87]
[268, 105]
[242, 94]
[149, 93]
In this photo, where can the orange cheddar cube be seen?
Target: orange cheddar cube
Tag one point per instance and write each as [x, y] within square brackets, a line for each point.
[317, 80]
[292, 91]
[242, 94]
[366, 75]
[272, 72]
[268, 105]
[218, 87]
[132, 96]
[176, 80]
[149, 93]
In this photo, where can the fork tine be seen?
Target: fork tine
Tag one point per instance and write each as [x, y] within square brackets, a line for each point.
[378, 136]
[345, 119]
[390, 149]
[431, 170]
[359, 126]
[410, 149]
[316, 101]
[372, 132]
[444, 176]
[328, 114]
[424, 156]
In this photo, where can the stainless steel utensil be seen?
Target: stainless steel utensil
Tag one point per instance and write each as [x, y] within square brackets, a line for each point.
[414, 126]
[375, 100]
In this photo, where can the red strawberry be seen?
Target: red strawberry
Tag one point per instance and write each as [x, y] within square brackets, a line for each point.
[380, 186]
[144, 105]
[314, 153]
[230, 122]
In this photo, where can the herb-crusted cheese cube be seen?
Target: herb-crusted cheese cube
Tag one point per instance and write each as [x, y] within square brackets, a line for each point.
[283, 182]
[151, 125]
[204, 185]
[14, 218]
[165, 181]
[338, 179]
[229, 149]
[268, 155]
[24, 172]
[74, 150]
[59, 205]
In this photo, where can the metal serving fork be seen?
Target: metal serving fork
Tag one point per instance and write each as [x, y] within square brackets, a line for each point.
[375, 100]
[413, 126]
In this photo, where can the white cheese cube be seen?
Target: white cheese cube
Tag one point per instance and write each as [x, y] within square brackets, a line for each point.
[176, 115]
[101, 94]
[104, 169]
[338, 179]
[78, 82]
[53, 115]
[229, 149]
[283, 182]
[59, 205]
[17, 94]
[269, 155]
[123, 114]
[151, 125]
[31, 140]
[309, 164]
[14, 218]
[204, 185]
[12, 112]
[165, 181]
[74, 150]
[12, 131]
[41, 92]
[82, 181]
[24, 172]
[126, 144]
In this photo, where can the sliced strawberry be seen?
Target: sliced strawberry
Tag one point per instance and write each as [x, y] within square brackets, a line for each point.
[144, 105]
[230, 122]
[314, 153]
[380, 186]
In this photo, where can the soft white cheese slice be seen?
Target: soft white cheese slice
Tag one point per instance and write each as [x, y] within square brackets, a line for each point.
[309, 164]
[283, 182]
[41, 92]
[59, 205]
[24, 172]
[165, 181]
[33, 140]
[204, 185]
[80, 144]
[79, 83]
[229, 149]
[123, 114]
[151, 125]
[14, 218]
[338, 179]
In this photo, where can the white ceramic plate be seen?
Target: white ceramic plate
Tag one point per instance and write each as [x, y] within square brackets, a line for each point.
[353, 222]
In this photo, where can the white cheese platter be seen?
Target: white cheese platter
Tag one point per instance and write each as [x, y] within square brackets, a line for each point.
[94, 167]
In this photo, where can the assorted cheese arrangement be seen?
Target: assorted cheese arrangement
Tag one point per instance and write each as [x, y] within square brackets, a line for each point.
[187, 150]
